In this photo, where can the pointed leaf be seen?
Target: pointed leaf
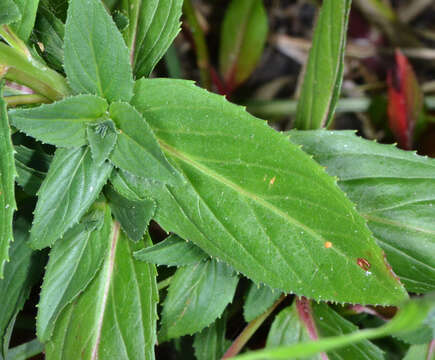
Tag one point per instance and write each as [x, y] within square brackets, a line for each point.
[324, 72]
[102, 138]
[99, 323]
[62, 123]
[134, 216]
[73, 263]
[154, 24]
[137, 150]
[173, 251]
[20, 274]
[259, 299]
[273, 215]
[50, 32]
[243, 36]
[24, 26]
[393, 189]
[9, 12]
[7, 178]
[32, 166]
[96, 58]
[128, 185]
[197, 296]
[210, 343]
[72, 184]
[405, 101]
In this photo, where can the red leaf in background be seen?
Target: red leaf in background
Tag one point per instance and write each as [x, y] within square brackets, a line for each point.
[405, 101]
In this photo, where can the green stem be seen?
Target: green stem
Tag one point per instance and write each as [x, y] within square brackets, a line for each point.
[164, 283]
[202, 57]
[249, 330]
[13, 40]
[28, 72]
[27, 99]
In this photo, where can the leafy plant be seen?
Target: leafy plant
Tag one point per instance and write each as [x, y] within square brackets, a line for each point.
[106, 149]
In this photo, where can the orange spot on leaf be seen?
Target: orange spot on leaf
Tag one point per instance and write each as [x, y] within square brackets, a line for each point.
[328, 244]
[363, 264]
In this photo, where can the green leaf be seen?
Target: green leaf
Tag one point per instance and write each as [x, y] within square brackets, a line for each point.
[25, 351]
[393, 189]
[134, 216]
[99, 323]
[173, 251]
[24, 26]
[287, 329]
[9, 12]
[259, 299]
[153, 25]
[128, 185]
[197, 296]
[210, 343]
[421, 335]
[409, 317]
[243, 36]
[102, 138]
[20, 274]
[324, 72]
[72, 184]
[73, 263]
[417, 352]
[50, 31]
[7, 183]
[96, 58]
[57, 7]
[258, 202]
[137, 150]
[32, 166]
[62, 123]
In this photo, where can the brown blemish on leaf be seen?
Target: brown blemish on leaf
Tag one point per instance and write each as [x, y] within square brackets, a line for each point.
[389, 268]
[363, 264]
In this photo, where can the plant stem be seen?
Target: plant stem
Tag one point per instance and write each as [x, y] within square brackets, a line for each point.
[13, 40]
[16, 100]
[164, 283]
[249, 330]
[202, 57]
[26, 71]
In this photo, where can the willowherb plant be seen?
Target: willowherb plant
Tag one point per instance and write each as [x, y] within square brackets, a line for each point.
[324, 215]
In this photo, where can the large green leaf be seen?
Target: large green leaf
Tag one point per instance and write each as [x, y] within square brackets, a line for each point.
[62, 123]
[257, 201]
[20, 275]
[137, 150]
[71, 186]
[73, 263]
[24, 26]
[197, 296]
[115, 318]
[410, 316]
[393, 189]
[324, 72]
[243, 35]
[96, 58]
[9, 12]
[153, 25]
[7, 178]
[173, 251]
[32, 166]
